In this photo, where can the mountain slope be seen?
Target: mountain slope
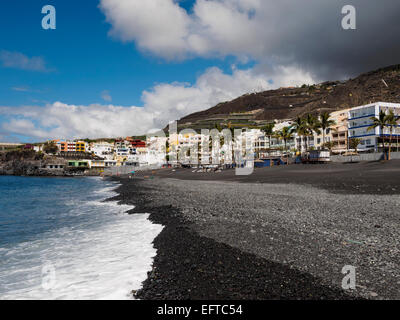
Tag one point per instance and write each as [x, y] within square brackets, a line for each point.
[288, 103]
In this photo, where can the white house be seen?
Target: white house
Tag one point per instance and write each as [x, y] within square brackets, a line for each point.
[101, 149]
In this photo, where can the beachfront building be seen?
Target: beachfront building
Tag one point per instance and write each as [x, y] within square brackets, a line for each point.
[277, 144]
[101, 149]
[338, 133]
[304, 143]
[181, 144]
[359, 120]
[110, 163]
[266, 146]
[55, 166]
[122, 143]
[156, 150]
[81, 164]
[96, 166]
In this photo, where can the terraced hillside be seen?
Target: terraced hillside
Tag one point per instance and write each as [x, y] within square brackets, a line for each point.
[288, 103]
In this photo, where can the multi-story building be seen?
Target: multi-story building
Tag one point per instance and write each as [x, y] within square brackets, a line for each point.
[101, 149]
[71, 146]
[156, 150]
[136, 143]
[361, 119]
[339, 131]
[80, 146]
[66, 146]
[122, 143]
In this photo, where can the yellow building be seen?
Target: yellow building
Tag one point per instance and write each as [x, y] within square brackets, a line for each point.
[80, 146]
[339, 132]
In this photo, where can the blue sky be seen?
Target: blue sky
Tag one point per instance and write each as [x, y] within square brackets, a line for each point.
[82, 65]
[117, 67]
[83, 60]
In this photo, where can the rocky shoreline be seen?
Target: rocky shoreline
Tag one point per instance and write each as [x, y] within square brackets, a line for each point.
[33, 164]
[36, 169]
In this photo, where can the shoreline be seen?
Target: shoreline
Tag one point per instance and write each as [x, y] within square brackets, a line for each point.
[189, 266]
[291, 228]
[72, 239]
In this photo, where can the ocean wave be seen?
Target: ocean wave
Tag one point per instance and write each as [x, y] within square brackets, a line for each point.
[103, 256]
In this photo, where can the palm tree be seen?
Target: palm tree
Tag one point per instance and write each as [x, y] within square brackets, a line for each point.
[312, 125]
[300, 127]
[354, 145]
[380, 122]
[391, 121]
[325, 123]
[268, 131]
[285, 134]
[329, 145]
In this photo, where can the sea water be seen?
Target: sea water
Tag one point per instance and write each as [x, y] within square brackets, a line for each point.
[60, 240]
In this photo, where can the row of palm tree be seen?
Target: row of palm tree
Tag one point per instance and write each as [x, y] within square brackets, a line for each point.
[385, 120]
[304, 127]
[309, 125]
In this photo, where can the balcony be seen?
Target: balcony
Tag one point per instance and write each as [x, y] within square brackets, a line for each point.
[339, 137]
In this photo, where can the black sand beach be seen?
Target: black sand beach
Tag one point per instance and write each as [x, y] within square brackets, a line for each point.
[281, 233]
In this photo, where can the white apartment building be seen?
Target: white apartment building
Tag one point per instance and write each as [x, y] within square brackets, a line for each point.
[101, 149]
[359, 120]
[123, 152]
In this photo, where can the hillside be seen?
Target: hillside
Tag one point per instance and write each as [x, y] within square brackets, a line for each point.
[288, 103]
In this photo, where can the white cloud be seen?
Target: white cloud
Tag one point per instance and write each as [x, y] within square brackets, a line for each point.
[105, 95]
[18, 60]
[163, 103]
[159, 26]
[307, 34]
[165, 29]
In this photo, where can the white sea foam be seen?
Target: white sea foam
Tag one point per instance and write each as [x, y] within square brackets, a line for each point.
[93, 261]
